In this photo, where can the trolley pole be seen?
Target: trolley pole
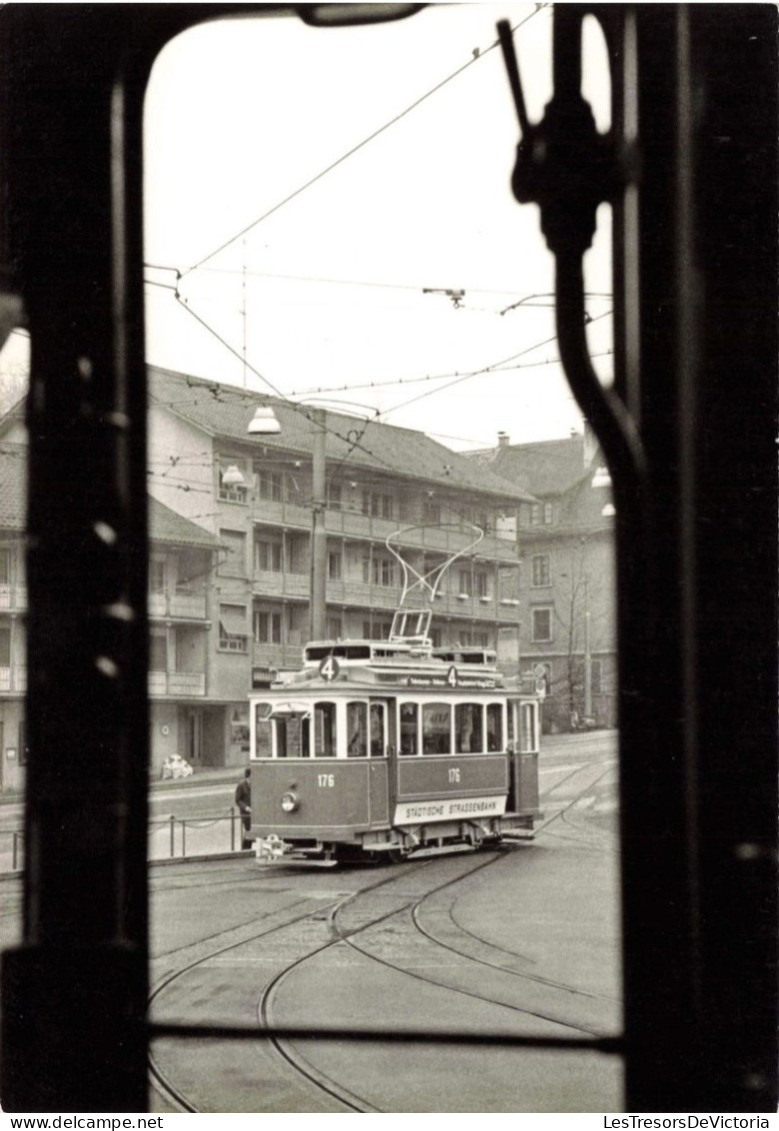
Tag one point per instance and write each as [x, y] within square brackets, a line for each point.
[318, 528]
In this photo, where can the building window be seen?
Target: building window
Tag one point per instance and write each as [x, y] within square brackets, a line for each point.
[548, 514]
[376, 631]
[24, 750]
[232, 628]
[333, 628]
[535, 514]
[377, 505]
[435, 637]
[5, 567]
[157, 575]
[158, 652]
[334, 496]
[233, 563]
[596, 677]
[481, 639]
[464, 581]
[481, 581]
[5, 646]
[270, 485]
[267, 627]
[541, 573]
[542, 626]
[268, 556]
[379, 571]
[334, 565]
[431, 513]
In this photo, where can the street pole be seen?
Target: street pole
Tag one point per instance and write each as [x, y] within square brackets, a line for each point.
[587, 652]
[317, 630]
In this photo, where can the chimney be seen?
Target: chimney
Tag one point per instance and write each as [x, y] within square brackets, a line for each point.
[503, 439]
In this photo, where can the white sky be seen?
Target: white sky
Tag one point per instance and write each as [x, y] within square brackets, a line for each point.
[242, 113]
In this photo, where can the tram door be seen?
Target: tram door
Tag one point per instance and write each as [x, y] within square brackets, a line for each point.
[523, 730]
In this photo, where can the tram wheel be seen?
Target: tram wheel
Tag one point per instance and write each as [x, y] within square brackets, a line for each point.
[396, 856]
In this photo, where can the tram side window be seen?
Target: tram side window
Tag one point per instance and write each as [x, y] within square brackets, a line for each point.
[468, 728]
[528, 728]
[263, 744]
[356, 730]
[378, 730]
[326, 745]
[494, 726]
[436, 728]
[409, 729]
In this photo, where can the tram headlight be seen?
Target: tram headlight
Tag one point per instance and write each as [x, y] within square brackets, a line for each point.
[289, 802]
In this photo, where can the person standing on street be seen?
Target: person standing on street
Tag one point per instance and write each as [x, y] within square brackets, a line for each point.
[243, 799]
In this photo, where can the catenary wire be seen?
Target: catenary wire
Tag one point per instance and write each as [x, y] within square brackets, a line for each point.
[360, 145]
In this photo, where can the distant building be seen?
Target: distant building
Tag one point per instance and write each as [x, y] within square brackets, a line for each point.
[567, 586]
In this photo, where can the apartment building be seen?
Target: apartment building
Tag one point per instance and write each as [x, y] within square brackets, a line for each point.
[567, 587]
[182, 562]
[254, 492]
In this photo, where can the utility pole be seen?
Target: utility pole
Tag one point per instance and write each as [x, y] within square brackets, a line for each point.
[587, 651]
[318, 605]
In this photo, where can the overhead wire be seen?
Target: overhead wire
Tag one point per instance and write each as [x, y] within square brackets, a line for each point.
[476, 56]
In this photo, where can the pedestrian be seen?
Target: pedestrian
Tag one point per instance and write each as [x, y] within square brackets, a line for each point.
[243, 799]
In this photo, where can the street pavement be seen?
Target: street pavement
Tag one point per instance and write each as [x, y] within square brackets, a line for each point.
[527, 944]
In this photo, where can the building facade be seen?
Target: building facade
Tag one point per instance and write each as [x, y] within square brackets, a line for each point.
[255, 494]
[182, 563]
[232, 518]
[567, 586]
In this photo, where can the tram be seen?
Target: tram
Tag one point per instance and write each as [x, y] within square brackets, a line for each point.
[387, 749]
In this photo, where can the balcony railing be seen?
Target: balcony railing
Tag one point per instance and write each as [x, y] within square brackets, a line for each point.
[13, 679]
[13, 596]
[287, 655]
[177, 683]
[183, 604]
[347, 522]
[276, 583]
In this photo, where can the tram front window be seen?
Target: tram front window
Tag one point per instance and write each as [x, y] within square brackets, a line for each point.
[357, 730]
[409, 729]
[468, 727]
[325, 731]
[292, 736]
[436, 728]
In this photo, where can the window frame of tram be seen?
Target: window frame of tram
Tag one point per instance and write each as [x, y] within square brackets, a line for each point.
[278, 734]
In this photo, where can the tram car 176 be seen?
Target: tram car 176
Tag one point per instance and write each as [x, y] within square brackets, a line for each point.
[389, 748]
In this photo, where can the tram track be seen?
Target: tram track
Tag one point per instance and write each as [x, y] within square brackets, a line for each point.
[355, 921]
[170, 1091]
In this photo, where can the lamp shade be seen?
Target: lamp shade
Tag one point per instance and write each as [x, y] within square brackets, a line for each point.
[233, 477]
[263, 422]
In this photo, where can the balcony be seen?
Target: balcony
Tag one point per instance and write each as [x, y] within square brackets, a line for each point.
[277, 583]
[182, 603]
[349, 523]
[180, 684]
[13, 680]
[275, 512]
[13, 596]
[289, 655]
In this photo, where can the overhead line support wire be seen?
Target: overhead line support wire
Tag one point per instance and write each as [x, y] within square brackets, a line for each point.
[484, 370]
[290, 404]
[360, 145]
